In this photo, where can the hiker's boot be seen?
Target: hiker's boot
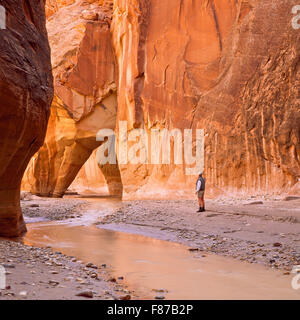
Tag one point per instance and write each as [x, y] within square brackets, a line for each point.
[200, 209]
[203, 209]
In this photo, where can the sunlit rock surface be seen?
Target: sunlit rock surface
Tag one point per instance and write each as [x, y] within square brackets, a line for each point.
[229, 67]
[26, 92]
[85, 96]
[90, 179]
[52, 6]
[95, 179]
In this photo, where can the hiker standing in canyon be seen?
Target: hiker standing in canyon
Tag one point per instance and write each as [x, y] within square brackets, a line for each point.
[200, 188]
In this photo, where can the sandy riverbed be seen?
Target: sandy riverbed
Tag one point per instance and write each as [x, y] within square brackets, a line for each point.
[41, 273]
[266, 232]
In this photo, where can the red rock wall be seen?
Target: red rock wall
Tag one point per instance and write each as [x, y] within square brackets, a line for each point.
[52, 6]
[85, 98]
[26, 92]
[229, 67]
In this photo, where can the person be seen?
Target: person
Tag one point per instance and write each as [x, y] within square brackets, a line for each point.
[200, 189]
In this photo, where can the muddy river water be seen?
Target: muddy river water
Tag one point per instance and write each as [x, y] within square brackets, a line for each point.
[147, 263]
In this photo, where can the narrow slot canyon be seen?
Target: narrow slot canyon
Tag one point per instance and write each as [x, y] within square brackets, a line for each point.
[173, 95]
[85, 101]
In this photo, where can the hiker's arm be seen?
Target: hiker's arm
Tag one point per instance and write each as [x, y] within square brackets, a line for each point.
[198, 186]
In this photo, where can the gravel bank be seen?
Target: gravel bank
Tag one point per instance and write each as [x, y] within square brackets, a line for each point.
[266, 232]
[53, 209]
[41, 274]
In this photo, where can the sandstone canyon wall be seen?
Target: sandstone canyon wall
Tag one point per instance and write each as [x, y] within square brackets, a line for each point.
[85, 98]
[230, 67]
[26, 91]
[94, 179]
[90, 179]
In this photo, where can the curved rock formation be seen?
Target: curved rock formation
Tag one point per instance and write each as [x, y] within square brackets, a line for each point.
[95, 179]
[85, 97]
[229, 67]
[90, 179]
[26, 91]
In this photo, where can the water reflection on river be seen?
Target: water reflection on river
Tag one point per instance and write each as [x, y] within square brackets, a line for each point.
[148, 263]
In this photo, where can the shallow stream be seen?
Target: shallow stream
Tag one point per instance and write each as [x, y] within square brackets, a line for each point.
[149, 264]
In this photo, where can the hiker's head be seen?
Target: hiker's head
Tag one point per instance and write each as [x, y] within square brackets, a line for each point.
[200, 174]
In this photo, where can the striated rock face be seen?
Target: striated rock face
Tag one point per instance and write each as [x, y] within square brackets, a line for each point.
[52, 6]
[85, 97]
[26, 92]
[229, 67]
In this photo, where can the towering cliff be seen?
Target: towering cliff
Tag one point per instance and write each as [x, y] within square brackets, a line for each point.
[85, 98]
[228, 67]
[26, 92]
